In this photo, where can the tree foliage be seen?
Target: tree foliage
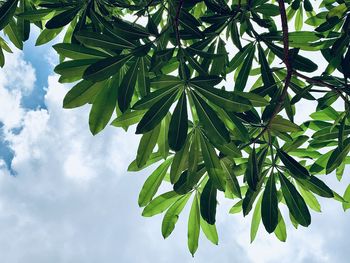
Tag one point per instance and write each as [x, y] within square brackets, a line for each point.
[213, 87]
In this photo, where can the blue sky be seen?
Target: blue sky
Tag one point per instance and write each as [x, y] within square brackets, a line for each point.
[73, 201]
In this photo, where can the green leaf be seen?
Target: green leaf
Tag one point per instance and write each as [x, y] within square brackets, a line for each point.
[47, 35]
[193, 156]
[225, 99]
[23, 26]
[180, 163]
[127, 86]
[165, 81]
[179, 124]
[149, 100]
[2, 58]
[295, 202]
[156, 113]
[229, 149]
[337, 157]
[105, 68]
[281, 230]
[232, 184]
[346, 204]
[163, 144]
[282, 125]
[103, 107]
[151, 185]
[212, 164]
[104, 41]
[208, 202]
[213, 126]
[255, 99]
[7, 11]
[143, 82]
[72, 70]
[209, 231]
[75, 51]
[238, 59]
[249, 199]
[236, 208]
[36, 14]
[194, 223]
[160, 204]
[252, 171]
[153, 158]
[269, 207]
[317, 186]
[128, 118]
[82, 93]
[146, 146]
[243, 74]
[295, 168]
[172, 215]
[256, 218]
[11, 31]
[62, 19]
[299, 62]
[310, 199]
[219, 63]
[266, 72]
[299, 19]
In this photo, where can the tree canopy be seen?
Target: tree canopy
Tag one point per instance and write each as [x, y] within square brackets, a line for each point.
[213, 87]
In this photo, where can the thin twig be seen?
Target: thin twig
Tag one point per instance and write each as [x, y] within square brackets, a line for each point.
[322, 83]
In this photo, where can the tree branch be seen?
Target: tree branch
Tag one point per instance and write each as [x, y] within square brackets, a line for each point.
[287, 80]
[176, 22]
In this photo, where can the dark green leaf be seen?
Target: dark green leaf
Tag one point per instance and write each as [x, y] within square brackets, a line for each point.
[178, 125]
[252, 171]
[62, 19]
[213, 126]
[156, 113]
[295, 202]
[127, 87]
[243, 74]
[7, 10]
[208, 203]
[105, 68]
[269, 207]
[295, 168]
[212, 164]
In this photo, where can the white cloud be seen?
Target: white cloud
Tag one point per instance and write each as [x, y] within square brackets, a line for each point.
[17, 74]
[16, 80]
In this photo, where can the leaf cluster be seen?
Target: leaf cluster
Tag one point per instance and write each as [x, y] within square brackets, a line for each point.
[213, 87]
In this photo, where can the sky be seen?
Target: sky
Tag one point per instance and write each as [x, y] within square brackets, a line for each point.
[66, 196]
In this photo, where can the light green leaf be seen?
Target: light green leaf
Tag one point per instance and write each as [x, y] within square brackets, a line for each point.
[172, 215]
[256, 218]
[194, 223]
[103, 107]
[146, 146]
[160, 204]
[151, 185]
